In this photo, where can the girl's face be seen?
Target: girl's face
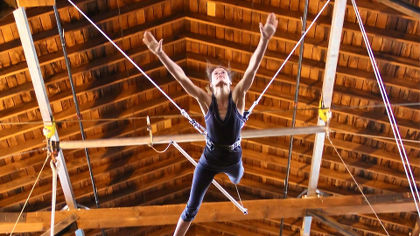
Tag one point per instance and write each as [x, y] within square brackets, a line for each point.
[219, 76]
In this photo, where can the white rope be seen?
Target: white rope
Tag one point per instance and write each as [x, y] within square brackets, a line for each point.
[196, 125]
[393, 122]
[287, 58]
[239, 196]
[239, 206]
[54, 195]
[30, 193]
[358, 186]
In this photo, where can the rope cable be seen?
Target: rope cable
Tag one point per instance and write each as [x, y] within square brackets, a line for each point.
[388, 108]
[30, 193]
[54, 196]
[196, 125]
[287, 58]
[357, 184]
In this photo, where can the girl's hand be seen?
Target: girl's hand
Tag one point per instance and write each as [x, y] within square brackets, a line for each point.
[268, 30]
[151, 43]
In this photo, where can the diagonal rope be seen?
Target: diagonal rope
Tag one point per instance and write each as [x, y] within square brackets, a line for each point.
[30, 193]
[388, 108]
[194, 123]
[287, 58]
[357, 184]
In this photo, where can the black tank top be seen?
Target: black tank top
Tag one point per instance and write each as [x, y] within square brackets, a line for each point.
[223, 132]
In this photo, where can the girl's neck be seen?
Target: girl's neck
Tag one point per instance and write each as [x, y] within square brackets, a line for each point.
[221, 92]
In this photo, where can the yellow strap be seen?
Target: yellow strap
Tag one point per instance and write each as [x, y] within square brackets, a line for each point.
[324, 113]
[49, 130]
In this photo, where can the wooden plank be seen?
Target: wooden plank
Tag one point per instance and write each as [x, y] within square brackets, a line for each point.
[60, 226]
[275, 56]
[323, 20]
[101, 42]
[402, 7]
[212, 212]
[35, 3]
[84, 90]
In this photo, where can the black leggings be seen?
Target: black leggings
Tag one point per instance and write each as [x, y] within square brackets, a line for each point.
[203, 176]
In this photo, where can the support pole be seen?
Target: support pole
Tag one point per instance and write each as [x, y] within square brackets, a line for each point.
[289, 158]
[327, 220]
[327, 92]
[41, 95]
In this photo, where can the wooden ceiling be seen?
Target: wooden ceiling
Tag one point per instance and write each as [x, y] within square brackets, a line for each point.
[114, 99]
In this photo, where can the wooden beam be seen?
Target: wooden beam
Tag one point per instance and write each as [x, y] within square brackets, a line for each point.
[402, 7]
[327, 91]
[42, 98]
[60, 226]
[211, 212]
[342, 229]
[182, 138]
[35, 3]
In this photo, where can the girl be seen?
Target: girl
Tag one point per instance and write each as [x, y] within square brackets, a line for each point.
[223, 112]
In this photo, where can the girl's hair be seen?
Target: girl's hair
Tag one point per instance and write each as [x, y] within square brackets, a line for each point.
[210, 68]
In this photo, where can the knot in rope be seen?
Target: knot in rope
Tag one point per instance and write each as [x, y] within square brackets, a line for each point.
[194, 123]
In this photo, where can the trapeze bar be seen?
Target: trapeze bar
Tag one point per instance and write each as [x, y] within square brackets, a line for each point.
[182, 138]
[239, 206]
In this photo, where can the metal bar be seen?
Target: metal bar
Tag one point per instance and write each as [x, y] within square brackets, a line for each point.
[342, 229]
[327, 91]
[42, 98]
[289, 158]
[76, 103]
[182, 138]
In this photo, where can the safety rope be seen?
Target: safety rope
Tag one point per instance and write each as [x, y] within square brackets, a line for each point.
[48, 131]
[54, 195]
[400, 145]
[249, 112]
[30, 193]
[239, 196]
[357, 184]
[194, 123]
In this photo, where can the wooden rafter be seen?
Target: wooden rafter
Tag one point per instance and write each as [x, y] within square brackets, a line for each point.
[211, 212]
[402, 7]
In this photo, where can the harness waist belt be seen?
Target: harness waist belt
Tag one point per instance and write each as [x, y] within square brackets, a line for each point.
[212, 145]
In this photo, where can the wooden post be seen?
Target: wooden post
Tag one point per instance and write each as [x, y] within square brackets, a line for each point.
[327, 92]
[42, 98]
